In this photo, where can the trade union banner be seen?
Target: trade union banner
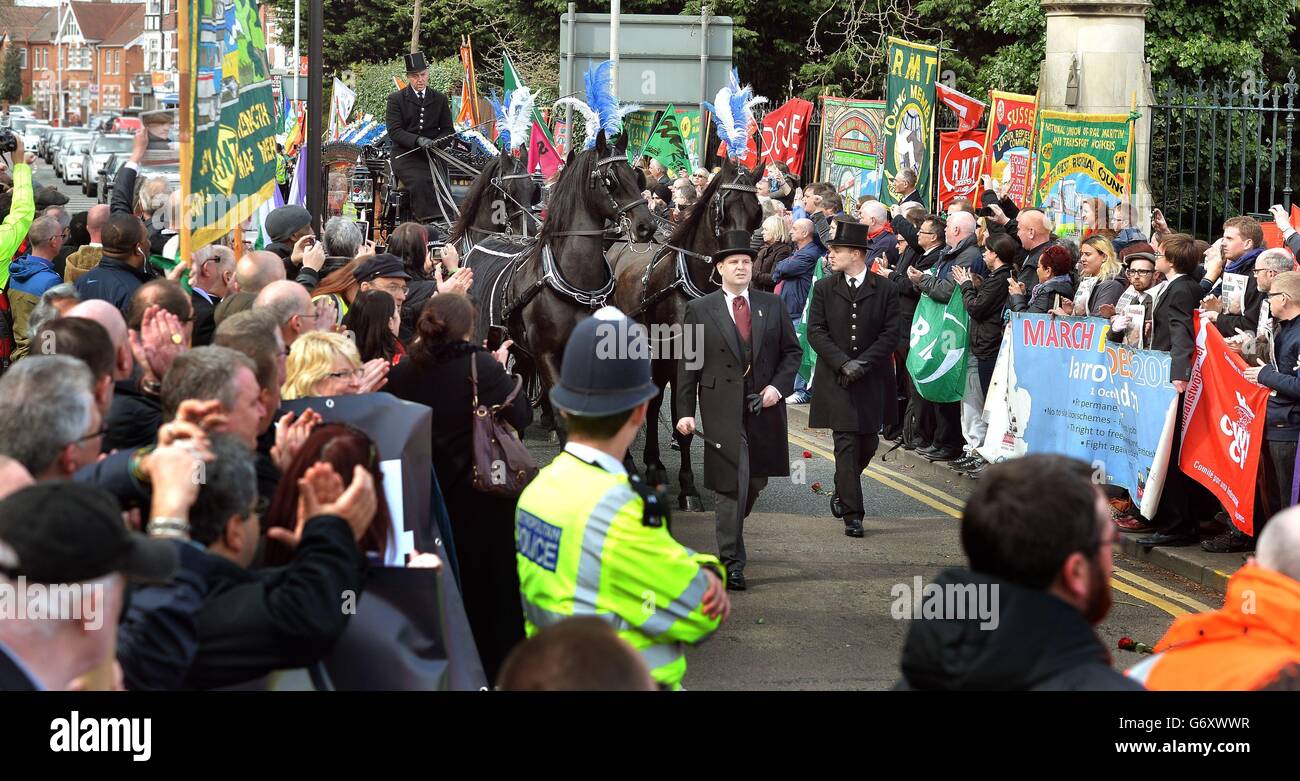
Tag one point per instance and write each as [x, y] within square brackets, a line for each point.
[1223, 425]
[688, 124]
[1060, 386]
[228, 163]
[938, 351]
[1081, 158]
[909, 113]
[784, 134]
[960, 153]
[1009, 142]
[666, 144]
[851, 147]
[636, 131]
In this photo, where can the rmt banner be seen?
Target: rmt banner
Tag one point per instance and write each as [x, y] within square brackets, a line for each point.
[1223, 425]
[1060, 386]
[909, 114]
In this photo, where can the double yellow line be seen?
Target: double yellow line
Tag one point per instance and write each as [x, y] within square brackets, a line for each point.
[1168, 600]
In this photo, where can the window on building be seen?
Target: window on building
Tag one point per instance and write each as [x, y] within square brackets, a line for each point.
[22, 58]
[153, 7]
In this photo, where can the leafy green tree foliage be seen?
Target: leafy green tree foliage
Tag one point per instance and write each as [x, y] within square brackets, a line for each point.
[11, 76]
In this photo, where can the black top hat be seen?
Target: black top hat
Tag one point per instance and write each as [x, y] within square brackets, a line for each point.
[849, 234]
[735, 243]
[606, 368]
[415, 62]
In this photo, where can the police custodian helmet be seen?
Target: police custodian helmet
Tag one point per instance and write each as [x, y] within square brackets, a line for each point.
[606, 367]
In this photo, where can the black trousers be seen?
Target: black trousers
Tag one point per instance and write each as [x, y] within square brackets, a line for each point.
[918, 415]
[853, 451]
[947, 423]
[414, 172]
[1276, 475]
[1184, 502]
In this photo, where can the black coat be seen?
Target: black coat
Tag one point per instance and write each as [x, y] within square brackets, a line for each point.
[908, 295]
[1171, 325]
[768, 256]
[483, 526]
[12, 677]
[114, 281]
[1283, 416]
[205, 323]
[409, 119]
[720, 384]
[254, 622]
[1040, 643]
[1027, 262]
[133, 419]
[1248, 320]
[842, 327]
[986, 306]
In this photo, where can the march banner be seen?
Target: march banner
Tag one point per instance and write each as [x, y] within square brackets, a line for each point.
[688, 124]
[1009, 142]
[784, 134]
[801, 330]
[340, 107]
[228, 160]
[909, 113]
[938, 349]
[960, 153]
[665, 143]
[1223, 425]
[968, 110]
[851, 146]
[1060, 386]
[542, 152]
[636, 131]
[1081, 157]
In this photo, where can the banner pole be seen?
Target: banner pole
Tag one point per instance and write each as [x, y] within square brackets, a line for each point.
[186, 58]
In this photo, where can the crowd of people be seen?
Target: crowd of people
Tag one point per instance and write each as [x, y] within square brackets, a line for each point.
[126, 368]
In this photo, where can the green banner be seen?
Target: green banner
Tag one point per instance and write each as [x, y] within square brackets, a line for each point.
[229, 162]
[688, 123]
[936, 358]
[909, 114]
[636, 131]
[809, 354]
[1082, 159]
[666, 145]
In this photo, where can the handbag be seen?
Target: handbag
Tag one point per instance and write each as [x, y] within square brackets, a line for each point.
[502, 466]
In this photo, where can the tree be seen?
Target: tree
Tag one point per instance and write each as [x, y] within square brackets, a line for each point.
[11, 75]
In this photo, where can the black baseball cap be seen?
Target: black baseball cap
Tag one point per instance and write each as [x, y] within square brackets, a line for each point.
[66, 532]
[382, 265]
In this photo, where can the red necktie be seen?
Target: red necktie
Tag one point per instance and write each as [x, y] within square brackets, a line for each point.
[740, 308]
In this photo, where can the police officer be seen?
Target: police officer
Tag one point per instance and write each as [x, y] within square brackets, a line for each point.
[592, 540]
[416, 116]
[853, 328]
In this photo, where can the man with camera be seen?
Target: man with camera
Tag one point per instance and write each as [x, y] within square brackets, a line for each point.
[416, 116]
[13, 230]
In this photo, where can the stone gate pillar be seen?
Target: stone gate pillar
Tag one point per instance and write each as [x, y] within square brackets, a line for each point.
[1103, 42]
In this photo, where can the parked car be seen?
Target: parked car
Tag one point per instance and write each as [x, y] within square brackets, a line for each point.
[34, 134]
[101, 147]
[107, 174]
[21, 111]
[72, 161]
[61, 151]
[48, 143]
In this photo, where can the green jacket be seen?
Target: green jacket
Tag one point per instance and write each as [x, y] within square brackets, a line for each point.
[14, 228]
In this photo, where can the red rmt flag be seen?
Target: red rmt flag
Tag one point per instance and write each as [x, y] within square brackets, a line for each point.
[1223, 428]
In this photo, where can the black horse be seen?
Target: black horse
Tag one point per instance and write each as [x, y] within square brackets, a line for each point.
[540, 290]
[501, 200]
[654, 284]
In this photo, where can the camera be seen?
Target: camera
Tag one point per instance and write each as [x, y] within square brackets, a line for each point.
[8, 142]
[984, 211]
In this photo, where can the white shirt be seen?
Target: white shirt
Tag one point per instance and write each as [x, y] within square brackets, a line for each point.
[420, 95]
[730, 297]
[593, 456]
[858, 279]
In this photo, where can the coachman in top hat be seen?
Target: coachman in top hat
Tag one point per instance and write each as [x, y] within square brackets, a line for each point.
[853, 327]
[416, 116]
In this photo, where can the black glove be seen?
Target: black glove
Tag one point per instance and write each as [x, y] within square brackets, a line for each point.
[425, 143]
[853, 370]
[754, 403]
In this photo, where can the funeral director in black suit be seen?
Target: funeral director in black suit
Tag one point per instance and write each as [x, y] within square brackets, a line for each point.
[416, 116]
[744, 355]
[853, 328]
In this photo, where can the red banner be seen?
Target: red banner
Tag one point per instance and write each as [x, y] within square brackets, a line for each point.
[969, 111]
[960, 154]
[542, 154]
[1223, 427]
[751, 150]
[1009, 142]
[785, 132]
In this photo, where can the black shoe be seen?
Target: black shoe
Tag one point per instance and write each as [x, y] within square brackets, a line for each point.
[907, 445]
[853, 528]
[837, 509]
[928, 450]
[1161, 538]
[944, 454]
[736, 581]
[1231, 541]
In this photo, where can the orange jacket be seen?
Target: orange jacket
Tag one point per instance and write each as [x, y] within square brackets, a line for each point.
[1241, 646]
